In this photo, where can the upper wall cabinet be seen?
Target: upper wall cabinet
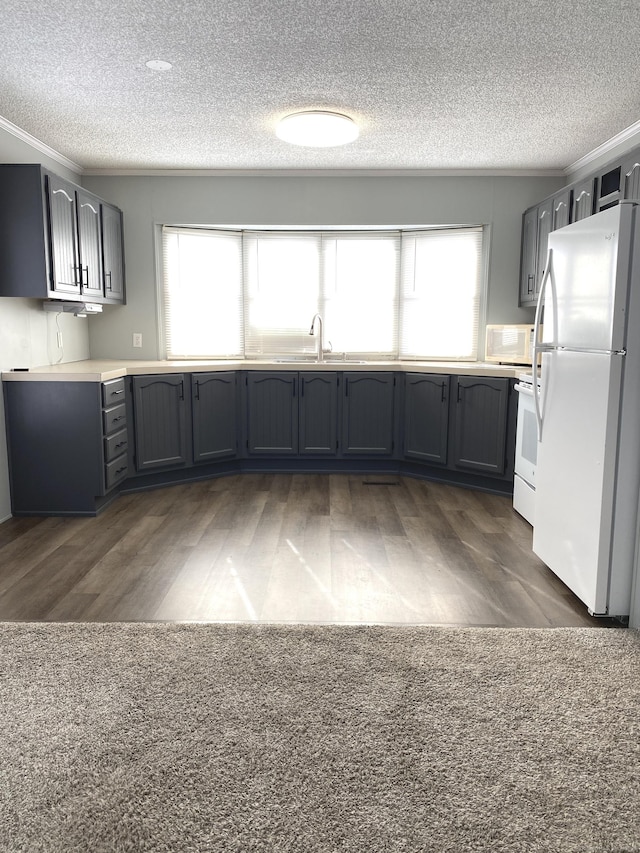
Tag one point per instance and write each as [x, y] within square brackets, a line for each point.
[616, 182]
[538, 222]
[55, 240]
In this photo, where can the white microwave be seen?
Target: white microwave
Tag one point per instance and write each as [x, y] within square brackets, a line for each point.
[509, 344]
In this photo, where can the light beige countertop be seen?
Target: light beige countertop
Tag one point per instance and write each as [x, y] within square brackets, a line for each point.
[101, 370]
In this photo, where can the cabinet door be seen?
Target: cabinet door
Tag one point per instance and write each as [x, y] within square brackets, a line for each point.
[272, 413]
[545, 226]
[367, 414]
[630, 178]
[214, 406]
[426, 417]
[160, 421]
[583, 198]
[89, 245]
[318, 411]
[481, 423]
[528, 258]
[112, 253]
[561, 210]
[61, 207]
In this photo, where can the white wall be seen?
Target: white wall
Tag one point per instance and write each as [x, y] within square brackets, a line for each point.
[307, 201]
[28, 336]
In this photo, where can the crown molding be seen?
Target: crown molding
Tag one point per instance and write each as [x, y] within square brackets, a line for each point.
[625, 136]
[40, 146]
[324, 173]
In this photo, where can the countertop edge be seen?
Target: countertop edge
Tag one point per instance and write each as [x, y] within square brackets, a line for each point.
[102, 370]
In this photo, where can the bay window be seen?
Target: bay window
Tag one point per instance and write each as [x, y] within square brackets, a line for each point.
[385, 294]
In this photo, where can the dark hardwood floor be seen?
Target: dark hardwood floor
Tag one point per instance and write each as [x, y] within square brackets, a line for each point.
[287, 548]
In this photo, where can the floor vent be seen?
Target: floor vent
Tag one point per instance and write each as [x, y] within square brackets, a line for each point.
[381, 482]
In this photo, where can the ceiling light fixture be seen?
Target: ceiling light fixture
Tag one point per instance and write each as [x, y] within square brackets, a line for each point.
[317, 129]
[158, 65]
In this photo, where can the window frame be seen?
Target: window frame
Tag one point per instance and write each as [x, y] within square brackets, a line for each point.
[333, 232]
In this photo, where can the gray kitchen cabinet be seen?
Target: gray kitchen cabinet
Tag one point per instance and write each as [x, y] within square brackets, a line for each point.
[630, 177]
[561, 209]
[480, 423]
[51, 237]
[291, 413]
[89, 245]
[537, 223]
[368, 404]
[112, 253]
[318, 413]
[528, 259]
[67, 445]
[214, 402]
[426, 417]
[272, 413]
[160, 421]
[545, 227]
[63, 216]
[583, 199]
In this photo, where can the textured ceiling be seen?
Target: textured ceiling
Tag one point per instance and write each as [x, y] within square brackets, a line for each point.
[434, 84]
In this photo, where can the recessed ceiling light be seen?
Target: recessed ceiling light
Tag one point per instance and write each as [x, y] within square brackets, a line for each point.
[158, 65]
[317, 129]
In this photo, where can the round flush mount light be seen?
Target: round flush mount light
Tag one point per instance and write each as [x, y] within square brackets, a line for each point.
[158, 65]
[317, 129]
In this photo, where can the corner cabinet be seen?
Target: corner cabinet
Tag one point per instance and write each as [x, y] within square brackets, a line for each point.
[55, 240]
[67, 445]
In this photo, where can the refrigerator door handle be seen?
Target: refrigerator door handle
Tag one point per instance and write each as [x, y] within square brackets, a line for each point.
[538, 347]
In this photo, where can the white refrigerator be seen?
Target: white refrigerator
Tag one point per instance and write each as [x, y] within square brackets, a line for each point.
[588, 468]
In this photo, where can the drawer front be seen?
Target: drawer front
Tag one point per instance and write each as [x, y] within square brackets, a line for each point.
[112, 392]
[115, 471]
[115, 445]
[114, 419]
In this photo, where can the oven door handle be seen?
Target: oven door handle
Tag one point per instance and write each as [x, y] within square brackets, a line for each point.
[527, 390]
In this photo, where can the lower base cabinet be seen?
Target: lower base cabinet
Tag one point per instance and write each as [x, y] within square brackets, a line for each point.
[214, 407]
[426, 417]
[291, 414]
[480, 435]
[73, 445]
[368, 414]
[67, 445]
[160, 421]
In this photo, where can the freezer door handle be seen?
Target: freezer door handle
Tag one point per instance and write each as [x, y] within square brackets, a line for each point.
[537, 346]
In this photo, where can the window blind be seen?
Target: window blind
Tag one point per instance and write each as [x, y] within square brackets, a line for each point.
[440, 293]
[360, 274]
[202, 303]
[282, 292]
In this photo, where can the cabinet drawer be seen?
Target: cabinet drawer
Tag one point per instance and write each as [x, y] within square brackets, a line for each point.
[112, 392]
[114, 419]
[115, 445]
[115, 471]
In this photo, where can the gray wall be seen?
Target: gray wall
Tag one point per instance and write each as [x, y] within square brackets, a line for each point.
[307, 201]
[28, 336]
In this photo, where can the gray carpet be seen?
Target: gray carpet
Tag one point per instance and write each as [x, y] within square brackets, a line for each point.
[162, 737]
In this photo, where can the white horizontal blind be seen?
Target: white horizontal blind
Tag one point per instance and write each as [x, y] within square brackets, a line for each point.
[202, 295]
[440, 293]
[360, 274]
[282, 292]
